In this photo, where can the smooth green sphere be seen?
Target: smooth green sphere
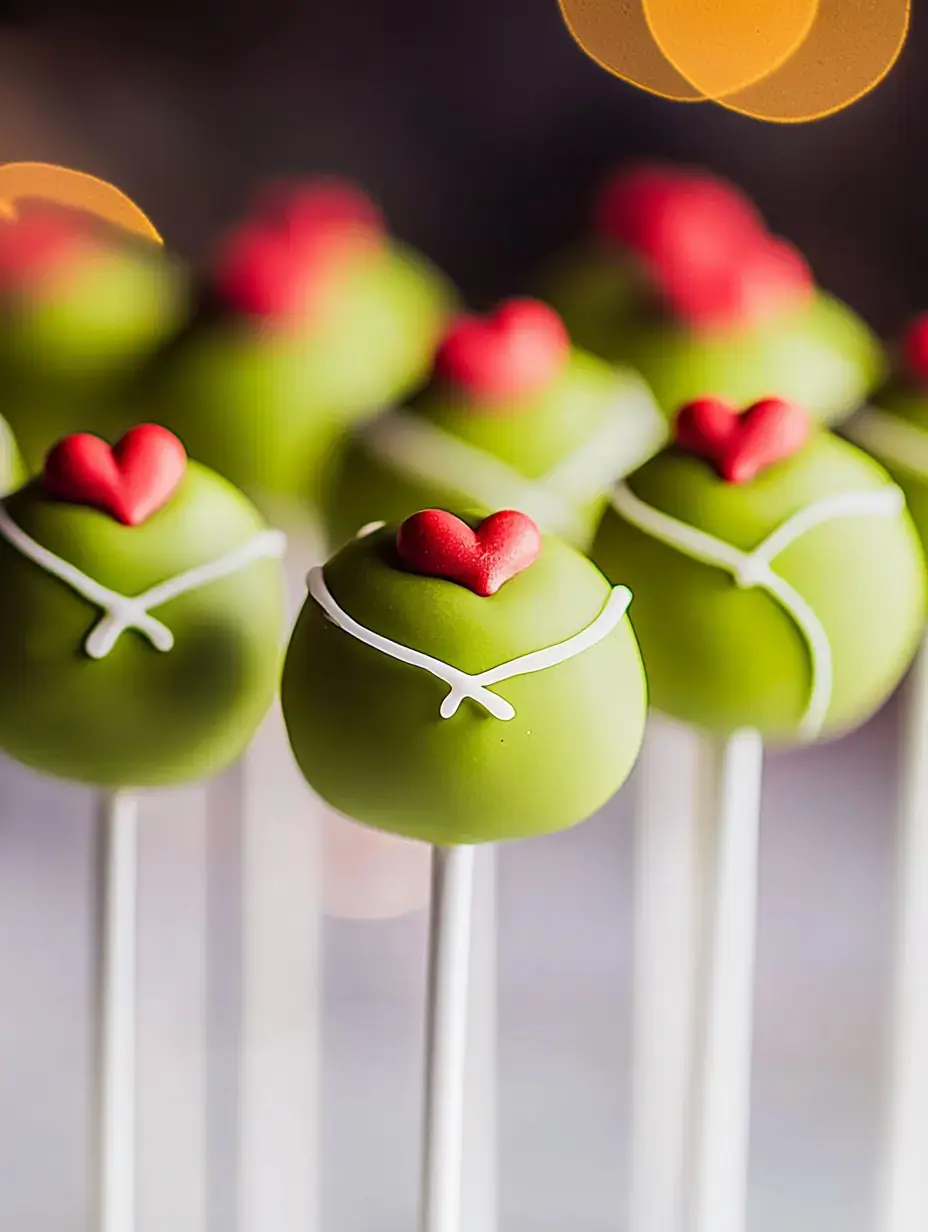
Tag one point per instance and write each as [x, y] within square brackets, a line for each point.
[265, 404]
[138, 717]
[68, 349]
[906, 459]
[722, 657]
[530, 437]
[367, 732]
[821, 355]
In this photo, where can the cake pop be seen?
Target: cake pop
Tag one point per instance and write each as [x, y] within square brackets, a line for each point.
[513, 416]
[12, 467]
[894, 428]
[315, 318]
[464, 680]
[141, 611]
[684, 282]
[81, 303]
[778, 579]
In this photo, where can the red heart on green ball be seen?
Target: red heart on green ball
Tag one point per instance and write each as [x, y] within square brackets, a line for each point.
[519, 349]
[130, 481]
[438, 544]
[742, 444]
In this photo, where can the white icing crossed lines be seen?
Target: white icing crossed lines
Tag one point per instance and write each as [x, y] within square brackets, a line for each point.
[460, 684]
[631, 432]
[123, 612]
[891, 438]
[754, 569]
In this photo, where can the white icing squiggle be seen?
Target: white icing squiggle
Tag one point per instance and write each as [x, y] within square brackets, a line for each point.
[895, 440]
[754, 569]
[631, 432]
[124, 612]
[461, 684]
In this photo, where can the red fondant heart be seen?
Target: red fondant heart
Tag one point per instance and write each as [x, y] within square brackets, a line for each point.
[915, 349]
[130, 481]
[35, 246]
[741, 445]
[319, 208]
[439, 544]
[517, 350]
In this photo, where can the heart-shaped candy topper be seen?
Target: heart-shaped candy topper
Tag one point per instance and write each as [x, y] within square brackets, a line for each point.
[439, 544]
[742, 445]
[130, 481]
[278, 263]
[517, 350]
[915, 350]
[704, 246]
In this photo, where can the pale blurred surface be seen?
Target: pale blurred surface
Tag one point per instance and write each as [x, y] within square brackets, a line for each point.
[564, 1013]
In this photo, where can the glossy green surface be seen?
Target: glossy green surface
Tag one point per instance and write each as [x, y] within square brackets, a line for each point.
[66, 354]
[531, 437]
[138, 717]
[367, 732]
[823, 356]
[909, 402]
[721, 657]
[267, 408]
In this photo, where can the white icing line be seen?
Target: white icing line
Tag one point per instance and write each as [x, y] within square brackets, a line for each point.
[124, 612]
[412, 445]
[461, 684]
[890, 438]
[753, 569]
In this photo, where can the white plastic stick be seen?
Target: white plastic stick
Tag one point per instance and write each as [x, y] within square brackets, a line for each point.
[480, 1191]
[903, 1182]
[665, 919]
[446, 1038]
[116, 1005]
[722, 1100]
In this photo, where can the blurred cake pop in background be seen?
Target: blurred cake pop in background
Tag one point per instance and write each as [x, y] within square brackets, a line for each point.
[313, 317]
[513, 417]
[682, 280]
[82, 305]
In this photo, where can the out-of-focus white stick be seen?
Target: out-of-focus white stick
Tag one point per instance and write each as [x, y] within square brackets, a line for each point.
[117, 838]
[450, 926]
[903, 1180]
[665, 882]
[173, 1058]
[730, 805]
[279, 1144]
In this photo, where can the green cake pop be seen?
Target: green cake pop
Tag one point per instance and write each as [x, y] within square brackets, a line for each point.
[316, 318]
[463, 681]
[12, 467]
[779, 582]
[894, 428]
[684, 282]
[513, 417]
[81, 304]
[141, 610]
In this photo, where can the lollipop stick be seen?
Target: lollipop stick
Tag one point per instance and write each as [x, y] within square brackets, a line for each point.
[446, 1038]
[116, 1145]
[665, 915]
[480, 1113]
[722, 1102]
[903, 1192]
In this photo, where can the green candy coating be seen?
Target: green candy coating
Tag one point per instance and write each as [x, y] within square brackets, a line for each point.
[721, 657]
[908, 402]
[367, 732]
[822, 355]
[531, 435]
[12, 467]
[138, 717]
[266, 406]
[67, 351]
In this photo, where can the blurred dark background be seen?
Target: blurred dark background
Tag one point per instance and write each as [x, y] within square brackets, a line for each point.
[479, 124]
